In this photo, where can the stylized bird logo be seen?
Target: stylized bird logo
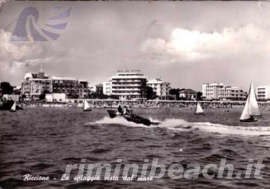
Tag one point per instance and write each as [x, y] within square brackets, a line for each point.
[29, 17]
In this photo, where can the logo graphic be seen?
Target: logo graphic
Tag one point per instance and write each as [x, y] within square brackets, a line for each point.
[29, 29]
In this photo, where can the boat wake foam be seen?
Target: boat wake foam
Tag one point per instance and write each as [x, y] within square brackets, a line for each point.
[215, 128]
[115, 121]
[182, 125]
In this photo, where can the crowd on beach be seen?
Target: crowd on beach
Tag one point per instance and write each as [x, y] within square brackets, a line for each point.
[139, 104]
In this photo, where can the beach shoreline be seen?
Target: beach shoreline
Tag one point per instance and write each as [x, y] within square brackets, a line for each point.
[224, 116]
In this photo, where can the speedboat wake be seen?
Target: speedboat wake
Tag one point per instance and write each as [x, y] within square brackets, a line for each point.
[184, 126]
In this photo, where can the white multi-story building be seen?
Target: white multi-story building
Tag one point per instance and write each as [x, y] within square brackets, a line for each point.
[107, 88]
[211, 90]
[231, 93]
[263, 93]
[129, 84]
[218, 91]
[160, 87]
[33, 85]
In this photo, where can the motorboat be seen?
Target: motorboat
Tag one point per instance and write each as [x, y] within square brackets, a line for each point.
[131, 117]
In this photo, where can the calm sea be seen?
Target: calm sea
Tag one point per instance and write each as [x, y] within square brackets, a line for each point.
[42, 141]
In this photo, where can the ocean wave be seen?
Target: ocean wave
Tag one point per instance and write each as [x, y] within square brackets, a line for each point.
[182, 125]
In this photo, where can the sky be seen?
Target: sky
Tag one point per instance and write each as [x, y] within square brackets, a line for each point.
[185, 43]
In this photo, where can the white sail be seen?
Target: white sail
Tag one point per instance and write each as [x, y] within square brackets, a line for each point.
[245, 114]
[199, 109]
[251, 106]
[86, 106]
[13, 108]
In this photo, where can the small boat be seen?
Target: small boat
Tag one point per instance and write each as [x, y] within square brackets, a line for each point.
[132, 118]
[13, 108]
[251, 108]
[86, 106]
[199, 110]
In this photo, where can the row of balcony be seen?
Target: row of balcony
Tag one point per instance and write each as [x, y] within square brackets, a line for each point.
[126, 88]
[126, 93]
[132, 90]
[127, 85]
[128, 80]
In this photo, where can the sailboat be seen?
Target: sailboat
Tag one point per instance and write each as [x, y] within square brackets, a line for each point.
[199, 109]
[86, 106]
[251, 108]
[13, 108]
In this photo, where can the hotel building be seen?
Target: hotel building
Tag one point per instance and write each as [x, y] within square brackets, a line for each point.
[129, 84]
[263, 93]
[160, 87]
[232, 93]
[218, 91]
[70, 86]
[64, 85]
[211, 90]
[35, 84]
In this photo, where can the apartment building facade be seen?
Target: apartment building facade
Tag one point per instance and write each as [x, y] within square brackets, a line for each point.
[219, 91]
[232, 93]
[107, 88]
[263, 93]
[129, 84]
[35, 84]
[211, 90]
[160, 88]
